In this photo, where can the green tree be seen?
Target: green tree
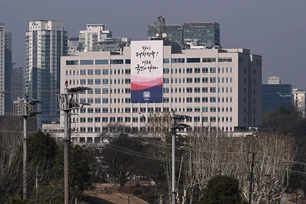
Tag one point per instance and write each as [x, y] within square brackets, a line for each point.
[221, 190]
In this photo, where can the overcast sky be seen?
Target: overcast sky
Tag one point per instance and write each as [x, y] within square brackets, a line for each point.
[275, 29]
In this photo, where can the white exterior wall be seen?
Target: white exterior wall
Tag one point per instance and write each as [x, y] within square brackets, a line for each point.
[2, 69]
[299, 97]
[234, 90]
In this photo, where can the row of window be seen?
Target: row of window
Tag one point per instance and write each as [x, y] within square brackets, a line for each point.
[165, 90]
[165, 80]
[97, 72]
[142, 110]
[97, 62]
[128, 61]
[142, 119]
[135, 129]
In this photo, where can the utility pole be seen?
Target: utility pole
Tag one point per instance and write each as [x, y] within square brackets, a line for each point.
[175, 126]
[68, 101]
[251, 177]
[27, 112]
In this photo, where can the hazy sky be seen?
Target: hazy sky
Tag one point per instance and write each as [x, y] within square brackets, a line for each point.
[275, 29]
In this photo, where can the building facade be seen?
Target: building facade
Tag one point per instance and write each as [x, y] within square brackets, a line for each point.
[73, 46]
[93, 34]
[275, 96]
[274, 80]
[205, 33]
[46, 42]
[8, 73]
[219, 89]
[299, 98]
[2, 69]
[18, 83]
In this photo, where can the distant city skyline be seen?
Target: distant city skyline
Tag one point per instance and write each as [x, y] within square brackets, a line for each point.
[274, 29]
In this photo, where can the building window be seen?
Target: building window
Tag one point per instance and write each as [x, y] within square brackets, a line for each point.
[197, 70]
[83, 72]
[212, 79]
[97, 71]
[204, 79]
[86, 62]
[189, 99]
[209, 59]
[117, 61]
[193, 60]
[205, 90]
[82, 81]
[127, 61]
[166, 70]
[97, 81]
[166, 60]
[105, 81]
[197, 100]
[101, 61]
[97, 100]
[213, 70]
[197, 80]
[166, 80]
[165, 90]
[188, 80]
[72, 62]
[178, 60]
[225, 59]
[205, 70]
[189, 71]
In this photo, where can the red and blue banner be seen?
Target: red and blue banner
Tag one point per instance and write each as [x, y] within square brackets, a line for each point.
[147, 71]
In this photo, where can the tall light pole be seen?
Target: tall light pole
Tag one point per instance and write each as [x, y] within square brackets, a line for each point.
[175, 126]
[68, 101]
[27, 112]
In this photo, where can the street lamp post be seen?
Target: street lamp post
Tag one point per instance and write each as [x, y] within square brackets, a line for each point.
[27, 112]
[175, 126]
[68, 101]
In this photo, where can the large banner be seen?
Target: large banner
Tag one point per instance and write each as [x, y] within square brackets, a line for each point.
[147, 71]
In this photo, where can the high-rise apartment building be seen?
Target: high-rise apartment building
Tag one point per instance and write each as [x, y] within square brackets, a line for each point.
[2, 69]
[18, 83]
[8, 73]
[94, 33]
[204, 33]
[46, 42]
[217, 88]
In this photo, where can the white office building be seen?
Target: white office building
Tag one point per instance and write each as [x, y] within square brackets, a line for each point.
[218, 88]
[46, 42]
[2, 69]
[93, 34]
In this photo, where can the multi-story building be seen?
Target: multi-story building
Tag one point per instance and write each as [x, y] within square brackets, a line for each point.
[2, 69]
[299, 98]
[205, 33]
[8, 73]
[17, 83]
[73, 46]
[94, 33]
[276, 95]
[19, 106]
[274, 80]
[46, 42]
[219, 89]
